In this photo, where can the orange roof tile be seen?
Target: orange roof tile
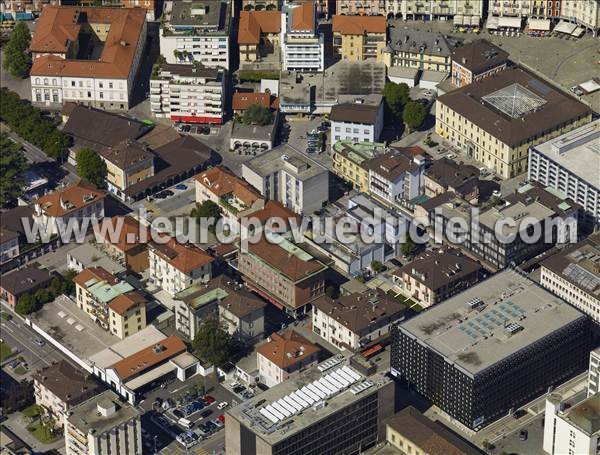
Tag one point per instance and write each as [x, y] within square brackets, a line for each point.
[274, 209]
[287, 349]
[184, 258]
[253, 23]
[221, 182]
[147, 358]
[129, 234]
[59, 25]
[124, 302]
[303, 16]
[67, 200]
[359, 25]
[242, 100]
[97, 273]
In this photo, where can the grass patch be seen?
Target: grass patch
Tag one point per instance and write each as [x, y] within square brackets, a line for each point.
[5, 316]
[5, 351]
[21, 370]
[32, 411]
[42, 433]
[256, 76]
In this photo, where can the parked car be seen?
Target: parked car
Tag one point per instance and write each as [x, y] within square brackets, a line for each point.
[39, 342]
[178, 413]
[222, 405]
[186, 128]
[221, 418]
[451, 156]
[523, 434]
[181, 187]
[208, 399]
[206, 413]
[217, 423]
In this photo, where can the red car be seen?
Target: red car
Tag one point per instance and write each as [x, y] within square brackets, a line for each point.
[208, 399]
[221, 418]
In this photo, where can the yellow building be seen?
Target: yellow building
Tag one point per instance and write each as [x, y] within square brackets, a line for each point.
[497, 119]
[348, 157]
[412, 433]
[358, 38]
[418, 49]
[114, 305]
[127, 163]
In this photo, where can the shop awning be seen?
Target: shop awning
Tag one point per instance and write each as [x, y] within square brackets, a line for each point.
[474, 20]
[492, 23]
[565, 27]
[578, 32]
[539, 24]
[509, 22]
[459, 19]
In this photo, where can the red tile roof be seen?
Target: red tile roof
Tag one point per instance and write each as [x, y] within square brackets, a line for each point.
[129, 233]
[303, 16]
[184, 258]
[287, 349]
[79, 194]
[242, 101]
[359, 25]
[253, 23]
[98, 273]
[124, 302]
[222, 182]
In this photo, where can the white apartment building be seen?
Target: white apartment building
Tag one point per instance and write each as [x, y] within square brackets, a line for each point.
[472, 10]
[573, 274]
[583, 12]
[361, 121]
[103, 425]
[105, 75]
[574, 430]
[188, 93]
[570, 163]
[175, 266]
[594, 373]
[395, 177]
[517, 8]
[284, 174]
[53, 211]
[302, 47]
[196, 32]
[353, 321]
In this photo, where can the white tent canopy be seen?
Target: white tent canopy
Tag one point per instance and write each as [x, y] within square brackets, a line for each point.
[474, 20]
[492, 23]
[509, 22]
[565, 27]
[578, 32]
[459, 19]
[539, 24]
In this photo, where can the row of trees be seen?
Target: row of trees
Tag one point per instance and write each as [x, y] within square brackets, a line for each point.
[12, 165]
[32, 125]
[17, 60]
[60, 284]
[400, 106]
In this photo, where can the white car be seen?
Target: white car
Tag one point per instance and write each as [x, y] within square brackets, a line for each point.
[452, 156]
[222, 405]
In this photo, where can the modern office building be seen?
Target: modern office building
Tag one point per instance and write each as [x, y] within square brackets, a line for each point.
[417, 49]
[573, 274]
[103, 425]
[572, 430]
[475, 61]
[483, 353]
[359, 38]
[194, 31]
[570, 163]
[360, 121]
[188, 93]
[87, 55]
[497, 119]
[501, 244]
[302, 45]
[284, 174]
[331, 408]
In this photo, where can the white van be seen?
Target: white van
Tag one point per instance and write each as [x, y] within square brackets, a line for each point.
[185, 423]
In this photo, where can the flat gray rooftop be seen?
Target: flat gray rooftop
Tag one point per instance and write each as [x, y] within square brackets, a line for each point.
[92, 256]
[285, 157]
[250, 414]
[85, 415]
[198, 13]
[240, 131]
[577, 151]
[476, 339]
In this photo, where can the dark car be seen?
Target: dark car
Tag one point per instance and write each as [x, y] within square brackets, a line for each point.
[205, 427]
[177, 413]
[205, 130]
[206, 413]
[523, 435]
[186, 128]
[161, 195]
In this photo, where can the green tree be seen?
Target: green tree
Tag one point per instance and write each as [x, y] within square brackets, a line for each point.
[17, 60]
[212, 343]
[208, 209]
[408, 248]
[377, 266]
[414, 114]
[257, 115]
[91, 167]
[67, 283]
[27, 304]
[396, 96]
[12, 164]
[332, 291]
